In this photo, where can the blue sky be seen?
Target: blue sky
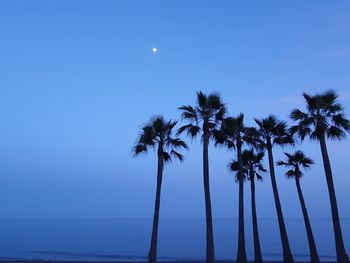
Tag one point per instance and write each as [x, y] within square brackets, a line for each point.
[78, 79]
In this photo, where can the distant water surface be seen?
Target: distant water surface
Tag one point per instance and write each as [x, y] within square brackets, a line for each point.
[120, 239]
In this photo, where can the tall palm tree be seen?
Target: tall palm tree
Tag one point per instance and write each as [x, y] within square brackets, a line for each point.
[158, 134]
[324, 118]
[232, 134]
[296, 162]
[252, 169]
[274, 132]
[204, 118]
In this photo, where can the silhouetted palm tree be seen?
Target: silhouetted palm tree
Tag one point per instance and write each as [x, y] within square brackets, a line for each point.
[274, 132]
[324, 117]
[204, 118]
[252, 168]
[297, 161]
[158, 134]
[232, 134]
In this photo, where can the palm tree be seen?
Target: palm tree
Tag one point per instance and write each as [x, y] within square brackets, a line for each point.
[324, 118]
[297, 161]
[274, 132]
[204, 118]
[252, 168]
[158, 133]
[232, 134]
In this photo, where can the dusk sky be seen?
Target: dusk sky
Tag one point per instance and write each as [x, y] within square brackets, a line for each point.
[78, 79]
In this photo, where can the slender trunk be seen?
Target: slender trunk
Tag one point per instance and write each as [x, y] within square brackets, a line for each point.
[287, 254]
[310, 237]
[210, 255]
[241, 253]
[257, 249]
[339, 244]
[152, 255]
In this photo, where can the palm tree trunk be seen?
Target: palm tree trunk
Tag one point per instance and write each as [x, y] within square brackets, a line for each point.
[287, 254]
[152, 255]
[257, 249]
[339, 244]
[210, 255]
[241, 253]
[310, 237]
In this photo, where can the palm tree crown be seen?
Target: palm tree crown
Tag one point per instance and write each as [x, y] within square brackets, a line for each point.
[159, 132]
[324, 116]
[232, 132]
[209, 111]
[296, 161]
[272, 131]
[252, 166]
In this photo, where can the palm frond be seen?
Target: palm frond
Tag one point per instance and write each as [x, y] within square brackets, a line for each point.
[261, 168]
[177, 155]
[219, 115]
[311, 102]
[251, 137]
[159, 125]
[188, 113]
[284, 140]
[301, 131]
[335, 133]
[258, 177]
[233, 166]
[139, 149]
[201, 99]
[147, 135]
[219, 136]
[176, 143]
[166, 157]
[334, 109]
[280, 163]
[340, 121]
[230, 144]
[214, 101]
[259, 156]
[258, 122]
[297, 115]
[192, 130]
[170, 125]
[290, 173]
[315, 135]
[329, 97]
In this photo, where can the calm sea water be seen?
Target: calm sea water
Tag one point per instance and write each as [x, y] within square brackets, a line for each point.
[118, 239]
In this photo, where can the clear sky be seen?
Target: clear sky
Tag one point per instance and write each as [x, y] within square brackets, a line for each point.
[78, 79]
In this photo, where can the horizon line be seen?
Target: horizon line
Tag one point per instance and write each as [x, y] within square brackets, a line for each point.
[165, 218]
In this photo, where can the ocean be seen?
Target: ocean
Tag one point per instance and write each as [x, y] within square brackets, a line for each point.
[128, 239]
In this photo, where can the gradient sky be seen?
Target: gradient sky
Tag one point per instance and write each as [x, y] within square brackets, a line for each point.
[78, 79]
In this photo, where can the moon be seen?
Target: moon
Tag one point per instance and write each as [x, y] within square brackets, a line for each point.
[154, 50]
